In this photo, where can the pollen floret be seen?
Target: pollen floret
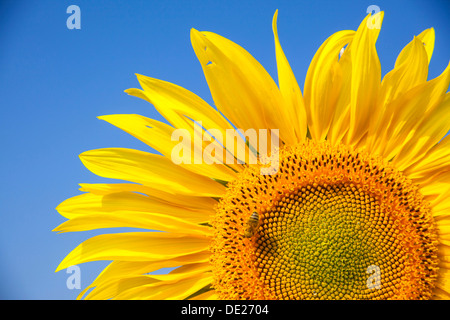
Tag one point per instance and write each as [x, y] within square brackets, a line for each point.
[335, 223]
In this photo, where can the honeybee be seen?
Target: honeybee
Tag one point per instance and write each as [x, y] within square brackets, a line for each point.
[252, 225]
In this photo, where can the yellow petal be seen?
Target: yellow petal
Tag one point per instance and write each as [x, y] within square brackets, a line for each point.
[179, 106]
[181, 272]
[441, 205]
[407, 112]
[209, 295]
[130, 219]
[430, 190]
[158, 135]
[164, 282]
[241, 88]
[341, 119]
[366, 78]
[436, 191]
[444, 231]
[443, 281]
[88, 203]
[149, 169]
[443, 224]
[427, 134]
[323, 84]
[112, 289]
[444, 265]
[289, 88]
[411, 71]
[440, 294]
[135, 246]
[441, 176]
[203, 205]
[168, 290]
[107, 188]
[427, 37]
[437, 158]
[106, 284]
[444, 251]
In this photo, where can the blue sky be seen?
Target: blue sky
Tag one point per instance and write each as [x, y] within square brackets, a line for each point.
[54, 82]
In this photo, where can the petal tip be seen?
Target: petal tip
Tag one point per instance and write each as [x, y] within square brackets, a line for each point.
[275, 15]
[274, 21]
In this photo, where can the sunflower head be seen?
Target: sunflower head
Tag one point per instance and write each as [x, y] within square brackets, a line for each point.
[329, 220]
[354, 205]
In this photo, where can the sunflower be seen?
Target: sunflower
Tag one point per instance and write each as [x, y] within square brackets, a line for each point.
[358, 207]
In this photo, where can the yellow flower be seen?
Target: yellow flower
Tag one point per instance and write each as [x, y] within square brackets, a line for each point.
[358, 207]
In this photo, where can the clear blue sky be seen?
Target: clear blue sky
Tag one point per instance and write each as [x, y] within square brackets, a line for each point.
[54, 82]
